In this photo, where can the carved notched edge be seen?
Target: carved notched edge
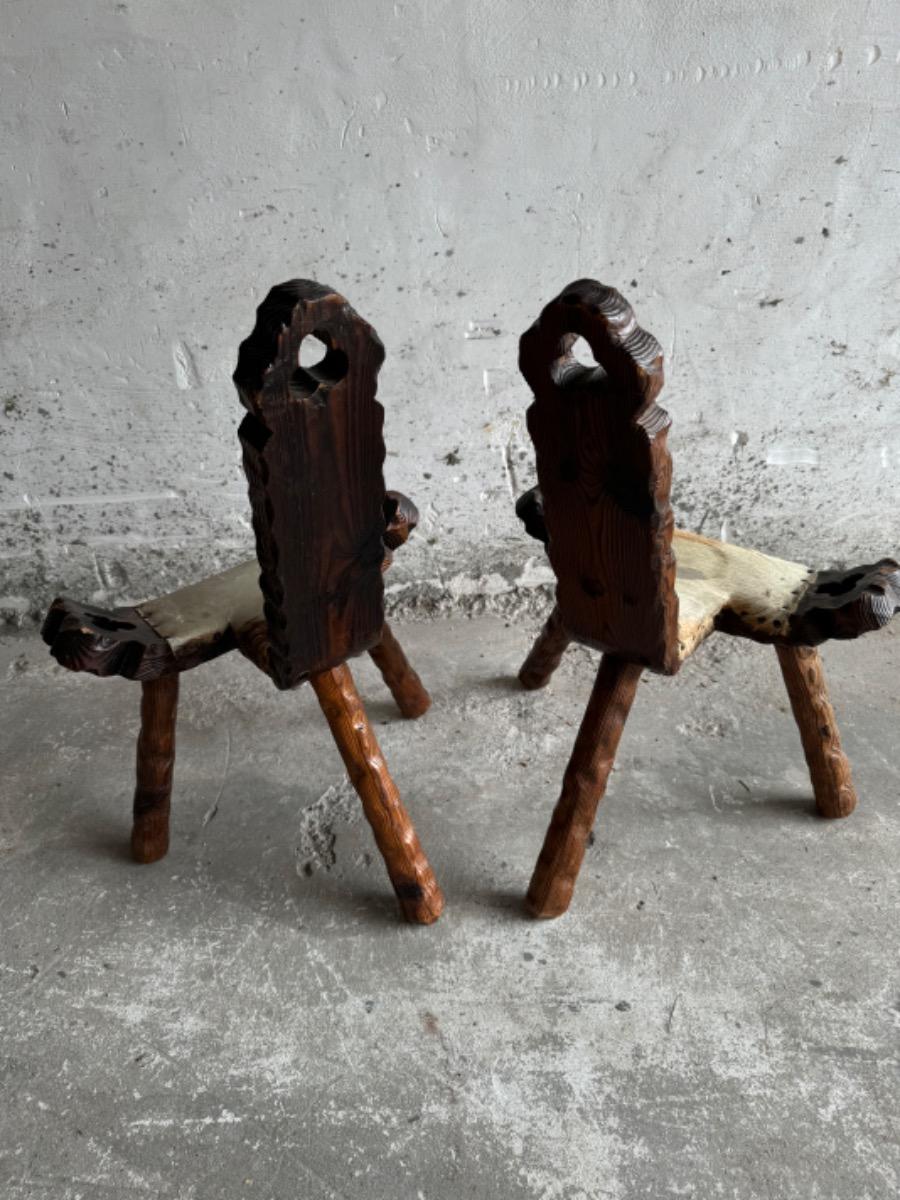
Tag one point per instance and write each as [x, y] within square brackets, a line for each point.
[290, 312]
[633, 361]
[268, 377]
[846, 604]
[106, 642]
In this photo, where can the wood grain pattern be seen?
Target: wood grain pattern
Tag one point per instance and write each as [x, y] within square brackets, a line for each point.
[546, 653]
[405, 685]
[584, 784]
[829, 768]
[417, 890]
[155, 765]
[732, 589]
[313, 454]
[646, 594]
[604, 474]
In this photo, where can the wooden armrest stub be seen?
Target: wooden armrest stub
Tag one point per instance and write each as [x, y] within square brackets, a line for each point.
[846, 604]
[104, 642]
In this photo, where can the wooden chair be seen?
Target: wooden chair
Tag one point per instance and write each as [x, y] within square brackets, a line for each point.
[325, 529]
[644, 593]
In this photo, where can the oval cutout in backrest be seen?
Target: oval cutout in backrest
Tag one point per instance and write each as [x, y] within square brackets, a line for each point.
[319, 361]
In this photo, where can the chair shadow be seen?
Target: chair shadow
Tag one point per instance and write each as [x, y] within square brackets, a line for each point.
[110, 845]
[502, 683]
[509, 901]
[761, 806]
[248, 884]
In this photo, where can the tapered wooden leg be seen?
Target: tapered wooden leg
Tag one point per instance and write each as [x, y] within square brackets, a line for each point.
[416, 887]
[405, 685]
[583, 786]
[829, 768]
[546, 653]
[155, 763]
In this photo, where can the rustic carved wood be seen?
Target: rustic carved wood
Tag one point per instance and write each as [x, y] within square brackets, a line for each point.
[155, 764]
[604, 472]
[313, 454]
[584, 784]
[400, 518]
[185, 628]
[734, 590]
[829, 769]
[83, 637]
[405, 685]
[413, 880]
[648, 596]
[325, 531]
[546, 653]
[847, 603]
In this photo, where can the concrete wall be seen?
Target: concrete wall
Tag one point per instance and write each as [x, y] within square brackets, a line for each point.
[449, 165]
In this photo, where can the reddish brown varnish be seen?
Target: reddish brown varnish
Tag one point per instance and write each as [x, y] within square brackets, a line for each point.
[602, 510]
[313, 454]
[155, 764]
[828, 765]
[414, 882]
[405, 685]
[604, 473]
[325, 531]
[584, 784]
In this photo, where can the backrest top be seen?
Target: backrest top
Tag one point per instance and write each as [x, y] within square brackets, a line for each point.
[604, 473]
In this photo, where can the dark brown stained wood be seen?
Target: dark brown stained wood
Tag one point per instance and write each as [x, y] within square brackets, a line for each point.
[644, 593]
[325, 530]
[400, 518]
[584, 784]
[747, 594]
[546, 653]
[405, 685]
[155, 764]
[313, 454]
[604, 474]
[846, 604]
[829, 768]
[185, 628]
[83, 637]
[530, 511]
[417, 890]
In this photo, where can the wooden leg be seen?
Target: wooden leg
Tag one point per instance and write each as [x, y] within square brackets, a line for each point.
[829, 769]
[416, 887]
[583, 786]
[405, 685]
[546, 653]
[155, 762]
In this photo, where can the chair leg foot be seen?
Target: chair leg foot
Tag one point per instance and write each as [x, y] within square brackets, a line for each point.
[405, 685]
[546, 653]
[155, 763]
[417, 890]
[584, 784]
[829, 768]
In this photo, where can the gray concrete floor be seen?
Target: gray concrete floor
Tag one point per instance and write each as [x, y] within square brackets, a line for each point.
[717, 1016]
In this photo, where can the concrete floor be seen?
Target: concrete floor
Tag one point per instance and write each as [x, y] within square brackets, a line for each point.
[717, 1016]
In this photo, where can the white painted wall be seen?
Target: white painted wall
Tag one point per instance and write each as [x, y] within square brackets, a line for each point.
[448, 165]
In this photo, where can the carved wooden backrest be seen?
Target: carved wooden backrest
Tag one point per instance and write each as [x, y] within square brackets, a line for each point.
[313, 455]
[604, 473]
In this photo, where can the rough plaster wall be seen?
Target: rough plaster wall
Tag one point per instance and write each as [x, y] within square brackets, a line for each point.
[448, 165]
